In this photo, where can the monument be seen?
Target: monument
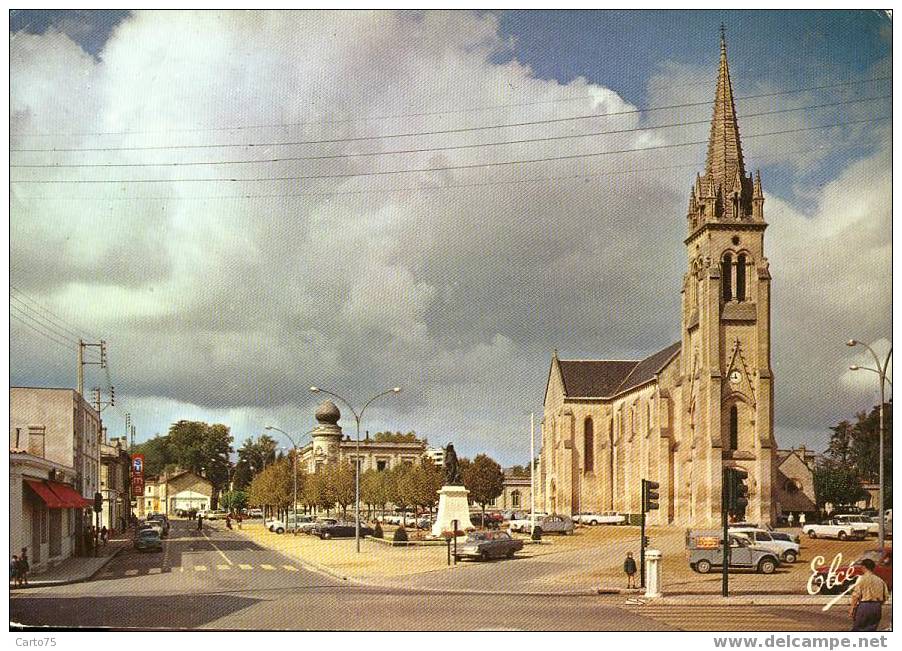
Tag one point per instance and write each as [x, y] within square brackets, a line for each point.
[452, 502]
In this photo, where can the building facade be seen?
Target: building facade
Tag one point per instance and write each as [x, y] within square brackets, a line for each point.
[515, 494]
[115, 484]
[683, 414]
[60, 426]
[329, 445]
[174, 493]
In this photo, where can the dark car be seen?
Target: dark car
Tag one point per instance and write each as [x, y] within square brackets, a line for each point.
[491, 520]
[340, 530]
[845, 578]
[162, 519]
[148, 540]
[484, 545]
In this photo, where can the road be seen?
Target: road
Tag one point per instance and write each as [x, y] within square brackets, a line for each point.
[215, 579]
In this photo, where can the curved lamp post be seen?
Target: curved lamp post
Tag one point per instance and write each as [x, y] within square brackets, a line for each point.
[357, 418]
[294, 502]
[881, 372]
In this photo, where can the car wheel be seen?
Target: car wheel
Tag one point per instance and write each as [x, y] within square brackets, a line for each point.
[594, 523]
[811, 533]
[326, 535]
[483, 556]
[841, 535]
[790, 557]
[767, 566]
[510, 554]
[703, 567]
[280, 530]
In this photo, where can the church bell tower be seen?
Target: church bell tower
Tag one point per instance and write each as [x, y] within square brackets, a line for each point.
[727, 382]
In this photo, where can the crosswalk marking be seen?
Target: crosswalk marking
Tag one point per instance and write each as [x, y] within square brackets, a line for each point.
[290, 568]
[715, 618]
[267, 567]
[155, 570]
[223, 566]
[131, 572]
[245, 566]
[200, 568]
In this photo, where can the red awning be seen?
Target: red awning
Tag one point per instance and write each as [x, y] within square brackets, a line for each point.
[69, 496]
[51, 499]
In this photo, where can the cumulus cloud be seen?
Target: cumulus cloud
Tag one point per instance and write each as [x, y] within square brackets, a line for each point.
[228, 299]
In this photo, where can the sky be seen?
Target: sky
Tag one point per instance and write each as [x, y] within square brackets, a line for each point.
[234, 202]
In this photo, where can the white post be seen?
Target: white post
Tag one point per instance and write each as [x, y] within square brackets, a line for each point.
[532, 472]
[652, 573]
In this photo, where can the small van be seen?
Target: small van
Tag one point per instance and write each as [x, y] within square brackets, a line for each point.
[706, 552]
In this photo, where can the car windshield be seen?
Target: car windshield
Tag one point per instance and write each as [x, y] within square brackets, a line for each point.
[149, 533]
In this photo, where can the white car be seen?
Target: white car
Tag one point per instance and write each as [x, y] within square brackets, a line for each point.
[522, 525]
[787, 550]
[281, 525]
[860, 520]
[608, 517]
[838, 530]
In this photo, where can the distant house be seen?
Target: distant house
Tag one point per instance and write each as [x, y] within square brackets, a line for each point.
[179, 491]
[794, 483]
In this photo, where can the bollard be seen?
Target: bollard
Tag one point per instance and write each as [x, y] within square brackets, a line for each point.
[449, 551]
[653, 573]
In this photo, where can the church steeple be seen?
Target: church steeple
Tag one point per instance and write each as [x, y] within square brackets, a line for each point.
[724, 148]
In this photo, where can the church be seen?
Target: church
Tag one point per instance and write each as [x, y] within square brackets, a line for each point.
[682, 414]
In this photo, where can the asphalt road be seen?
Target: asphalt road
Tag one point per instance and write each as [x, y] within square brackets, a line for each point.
[216, 579]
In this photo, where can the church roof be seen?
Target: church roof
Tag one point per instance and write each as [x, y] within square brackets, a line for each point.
[607, 378]
[724, 159]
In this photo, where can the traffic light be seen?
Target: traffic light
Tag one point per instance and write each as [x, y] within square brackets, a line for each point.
[112, 395]
[650, 495]
[737, 492]
[98, 502]
[645, 541]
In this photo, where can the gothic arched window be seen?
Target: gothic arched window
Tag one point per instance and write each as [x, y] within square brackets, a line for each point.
[588, 446]
[734, 427]
[726, 277]
[515, 499]
[740, 277]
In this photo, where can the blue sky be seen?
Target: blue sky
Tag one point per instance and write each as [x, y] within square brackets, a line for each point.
[244, 295]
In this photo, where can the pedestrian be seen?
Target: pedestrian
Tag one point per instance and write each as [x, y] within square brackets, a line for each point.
[24, 567]
[629, 566]
[104, 534]
[13, 569]
[200, 522]
[791, 519]
[868, 596]
[802, 520]
[228, 521]
[239, 518]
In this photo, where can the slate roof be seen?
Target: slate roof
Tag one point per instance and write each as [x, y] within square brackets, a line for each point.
[607, 378]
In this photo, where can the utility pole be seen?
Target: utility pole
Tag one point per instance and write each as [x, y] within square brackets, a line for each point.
[81, 363]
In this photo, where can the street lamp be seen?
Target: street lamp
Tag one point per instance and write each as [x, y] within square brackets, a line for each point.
[357, 417]
[294, 503]
[881, 372]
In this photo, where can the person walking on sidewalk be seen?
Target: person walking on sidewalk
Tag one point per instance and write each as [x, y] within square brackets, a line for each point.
[104, 535]
[13, 569]
[791, 519]
[200, 522]
[868, 596]
[238, 520]
[24, 567]
[802, 520]
[629, 566]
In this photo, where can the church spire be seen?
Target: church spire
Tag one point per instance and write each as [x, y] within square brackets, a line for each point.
[724, 160]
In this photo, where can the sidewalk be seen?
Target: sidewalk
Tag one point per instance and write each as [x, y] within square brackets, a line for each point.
[78, 568]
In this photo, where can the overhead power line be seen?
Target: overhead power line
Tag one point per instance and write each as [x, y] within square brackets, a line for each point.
[441, 168]
[435, 131]
[35, 316]
[435, 149]
[42, 333]
[51, 315]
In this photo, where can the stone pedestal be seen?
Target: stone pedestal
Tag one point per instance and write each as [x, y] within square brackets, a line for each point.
[652, 573]
[452, 505]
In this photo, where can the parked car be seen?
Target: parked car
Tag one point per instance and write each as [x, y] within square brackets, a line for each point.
[218, 514]
[836, 529]
[148, 540]
[706, 552]
[491, 520]
[788, 537]
[281, 525]
[788, 551]
[883, 559]
[154, 525]
[255, 513]
[424, 522]
[340, 530]
[554, 523]
[608, 517]
[162, 519]
[523, 525]
[872, 527]
[483, 545]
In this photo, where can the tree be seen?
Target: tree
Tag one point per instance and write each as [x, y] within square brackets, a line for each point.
[837, 485]
[203, 449]
[484, 479]
[520, 471]
[373, 488]
[340, 478]
[253, 457]
[396, 437]
[857, 447]
[233, 500]
[159, 457]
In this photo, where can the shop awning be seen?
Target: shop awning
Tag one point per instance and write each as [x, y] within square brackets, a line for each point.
[51, 499]
[69, 496]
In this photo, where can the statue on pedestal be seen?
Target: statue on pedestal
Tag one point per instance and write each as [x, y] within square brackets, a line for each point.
[452, 467]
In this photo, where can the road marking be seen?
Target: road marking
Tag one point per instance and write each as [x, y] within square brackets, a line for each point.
[290, 568]
[200, 568]
[223, 566]
[245, 566]
[131, 572]
[209, 540]
[267, 567]
[155, 570]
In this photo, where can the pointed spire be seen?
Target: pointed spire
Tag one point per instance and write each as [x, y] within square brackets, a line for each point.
[724, 148]
[758, 193]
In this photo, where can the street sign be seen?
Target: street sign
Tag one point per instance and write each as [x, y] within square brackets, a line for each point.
[138, 464]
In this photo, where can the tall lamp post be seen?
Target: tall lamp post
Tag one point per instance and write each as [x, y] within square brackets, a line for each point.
[294, 502]
[357, 417]
[881, 372]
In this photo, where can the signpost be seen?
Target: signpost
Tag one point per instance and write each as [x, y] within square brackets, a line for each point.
[138, 477]
[734, 500]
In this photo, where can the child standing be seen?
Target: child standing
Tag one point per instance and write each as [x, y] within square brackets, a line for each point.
[629, 566]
